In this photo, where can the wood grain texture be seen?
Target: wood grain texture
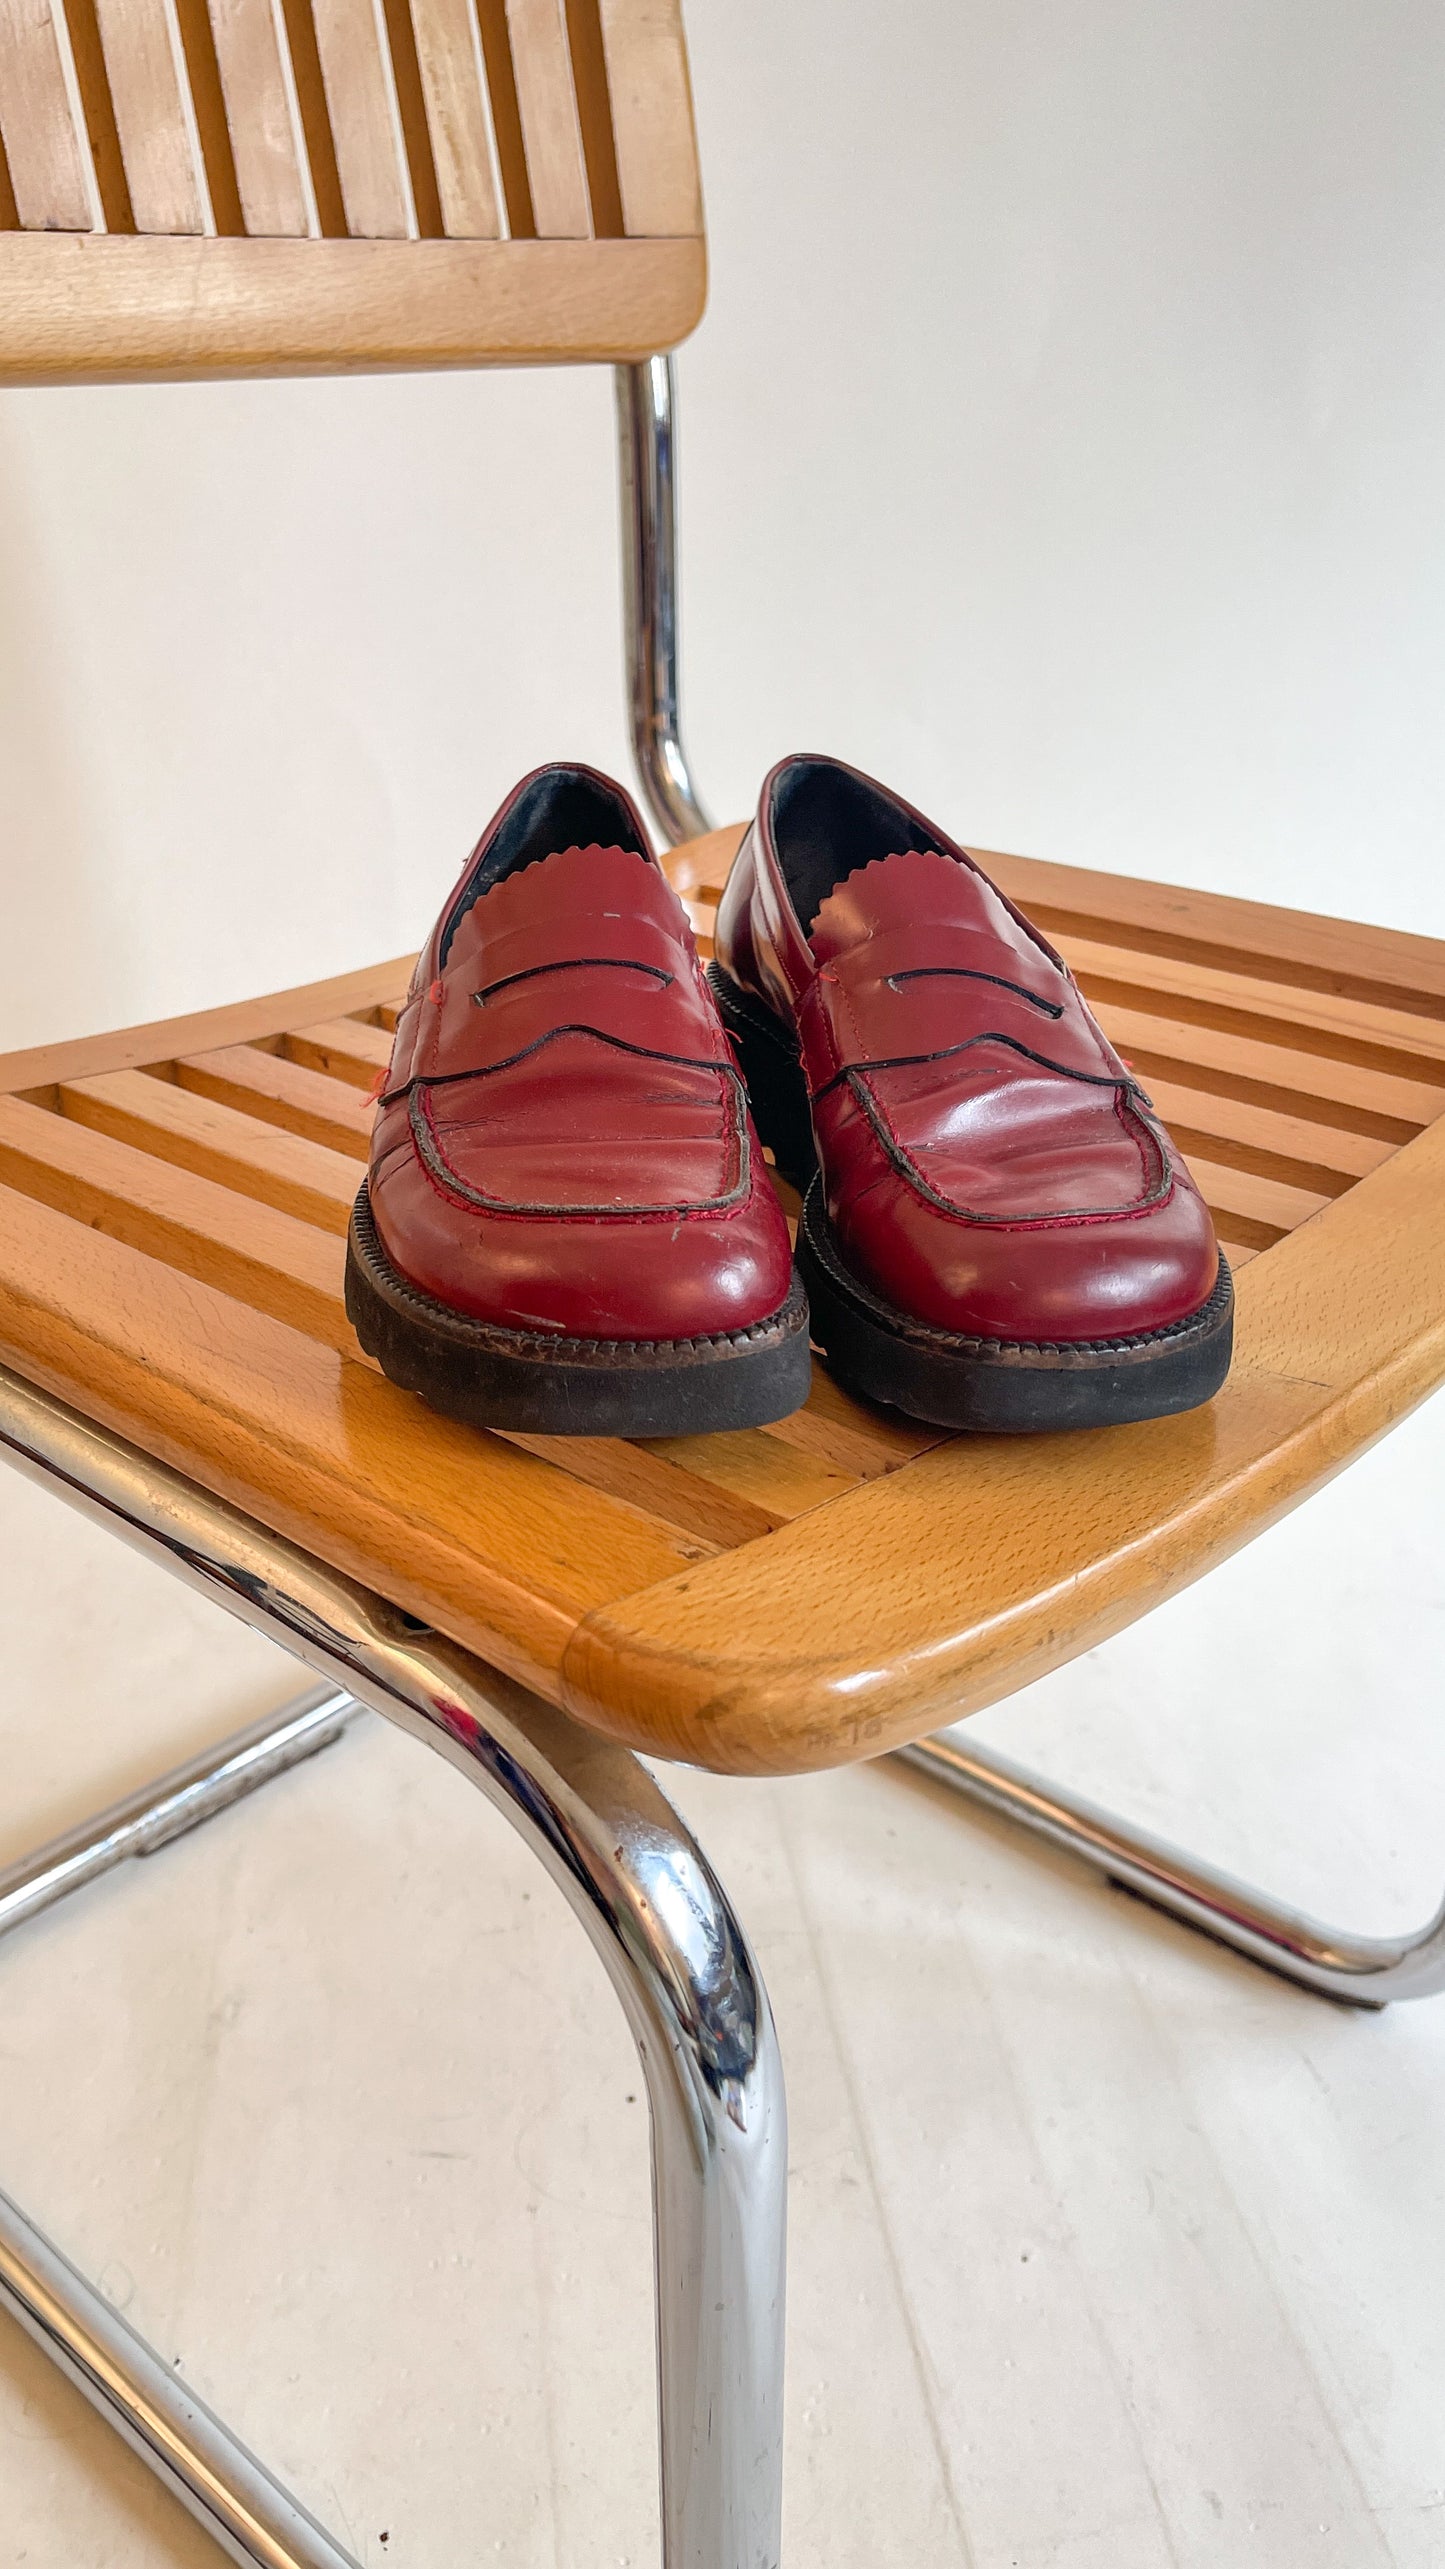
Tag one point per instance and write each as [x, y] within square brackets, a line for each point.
[594, 115]
[97, 109]
[850, 1435]
[489, 1543]
[340, 1048]
[991, 1560]
[359, 103]
[652, 118]
[780, 1480]
[253, 1159]
[551, 128]
[277, 1091]
[411, 116]
[1315, 1021]
[265, 144]
[1316, 1156]
[291, 1269]
[200, 1228]
[208, 103]
[82, 308]
[42, 150]
[1238, 1196]
[506, 117]
[1336, 956]
[318, 141]
[243, 1022]
[449, 58]
[1159, 1047]
[155, 139]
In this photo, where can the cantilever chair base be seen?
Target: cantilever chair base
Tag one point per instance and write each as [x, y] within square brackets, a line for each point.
[1361, 1971]
[655, 1912]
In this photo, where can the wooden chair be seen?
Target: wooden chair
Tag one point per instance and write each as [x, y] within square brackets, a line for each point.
[227, 189]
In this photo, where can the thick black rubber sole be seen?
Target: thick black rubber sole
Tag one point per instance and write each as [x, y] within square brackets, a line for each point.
[995, 1386]
[542, 1385]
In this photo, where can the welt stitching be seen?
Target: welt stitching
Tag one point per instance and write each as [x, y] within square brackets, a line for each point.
[1073, 1218]
[455, 1189]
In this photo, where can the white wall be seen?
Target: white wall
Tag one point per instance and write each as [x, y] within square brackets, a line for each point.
[1064, 441]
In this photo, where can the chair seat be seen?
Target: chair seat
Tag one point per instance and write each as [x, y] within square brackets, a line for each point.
[173, 1204]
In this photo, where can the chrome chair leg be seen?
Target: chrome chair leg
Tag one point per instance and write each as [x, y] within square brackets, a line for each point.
[1363, 1971]
[149, 1819]
[663, 1929]
[646, 405]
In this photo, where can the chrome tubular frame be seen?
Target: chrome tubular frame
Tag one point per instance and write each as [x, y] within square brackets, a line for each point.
[1363, 1971]
[654, 1910]
[646, 404]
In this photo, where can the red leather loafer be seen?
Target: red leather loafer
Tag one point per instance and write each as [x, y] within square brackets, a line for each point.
[997, 1232]
[567, 1224]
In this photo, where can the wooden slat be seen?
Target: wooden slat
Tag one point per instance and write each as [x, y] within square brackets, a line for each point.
[341, 1048]
[264, 140]
[1304, 1084]
[127, 1047]
[488, 1543]
[1339, 958]
[506, 118]
[263, 1257]
[280, 1092]
[1309, 1021]
[652, 117]
[450, 63]
[317, 139]
[411, 114]
[1254, 1209]
[297, 1176]
[203, 78]
[358, 99]
[1318, 1157]
[93, 310]
[293, 1271]
[936, 1590]
[856, 1441]
[9, 210]
[647, 1479]
[594, 115]
[551, 131]
[1381, 966]
[779, 1479]
[703, 864]
[97, 107]
[155, 138]
[42, 150]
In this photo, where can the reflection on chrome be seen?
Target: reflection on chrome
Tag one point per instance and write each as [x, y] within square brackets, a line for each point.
[661, 1925]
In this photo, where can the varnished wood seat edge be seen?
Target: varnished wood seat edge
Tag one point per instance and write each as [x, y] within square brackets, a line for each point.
[185, 307]
[925, 1596]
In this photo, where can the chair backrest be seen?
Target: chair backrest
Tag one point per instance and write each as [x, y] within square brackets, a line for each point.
[202, 187]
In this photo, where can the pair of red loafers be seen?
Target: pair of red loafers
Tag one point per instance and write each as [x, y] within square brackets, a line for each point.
[568, 1225]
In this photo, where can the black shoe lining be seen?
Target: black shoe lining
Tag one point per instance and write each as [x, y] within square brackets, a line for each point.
[563, 807]
[827, 822]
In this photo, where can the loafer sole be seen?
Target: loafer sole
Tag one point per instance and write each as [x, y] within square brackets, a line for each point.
[544, 1384]
[997, 1386]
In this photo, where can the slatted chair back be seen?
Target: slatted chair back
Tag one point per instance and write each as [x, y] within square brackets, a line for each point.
[201, 187]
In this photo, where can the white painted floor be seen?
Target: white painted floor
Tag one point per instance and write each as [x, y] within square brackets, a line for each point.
[1109, 2252]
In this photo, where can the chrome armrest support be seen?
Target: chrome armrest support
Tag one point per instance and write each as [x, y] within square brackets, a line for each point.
[646, 408]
